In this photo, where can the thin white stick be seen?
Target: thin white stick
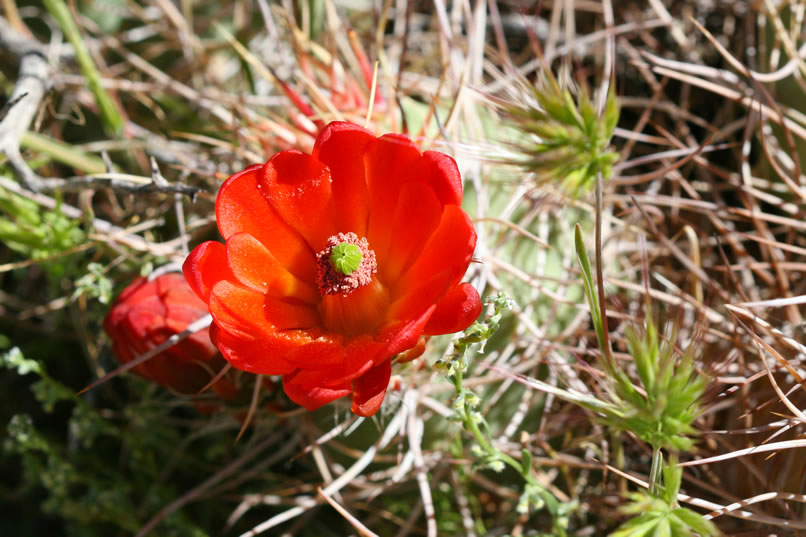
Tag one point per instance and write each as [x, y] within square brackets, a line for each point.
[415, 430]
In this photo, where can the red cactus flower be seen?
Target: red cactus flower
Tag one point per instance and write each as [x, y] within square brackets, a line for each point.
[336, 262]
[145, 315]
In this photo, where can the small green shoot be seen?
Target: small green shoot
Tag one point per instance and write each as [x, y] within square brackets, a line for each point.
[95, 284]
[590, 294]
[661, 412]
[63, 152]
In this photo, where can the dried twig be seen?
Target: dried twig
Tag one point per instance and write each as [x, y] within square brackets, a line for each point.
[33, 82]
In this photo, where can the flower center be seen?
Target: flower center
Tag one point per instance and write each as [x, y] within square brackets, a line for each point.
[345, 264]
[346, 257]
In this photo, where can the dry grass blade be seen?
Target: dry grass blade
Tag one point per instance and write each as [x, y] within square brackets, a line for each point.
[218, 376]
[351, 473]
[354, 522]
[760, 343]
[194, 327]
[252, 407]
[775, 446]
[415, 427]
[769, 496]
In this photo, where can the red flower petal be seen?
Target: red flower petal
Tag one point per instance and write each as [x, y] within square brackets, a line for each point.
[262, 356]
[444, 177]
[141, 321]
[343, 359]
[180, 294]
[417, 216]
[370, 388]
[359, 355]
[414, 352]
[404, 335]
[178, 315]
[317, 354]
[450, 247]
[254, 266]
[298, 187]
[340, 146]
[129, 295]
[240, 207]
[390, 162]
[310, 388]
[425, 295]
[457, 310]
[253, 315]
[205, 266]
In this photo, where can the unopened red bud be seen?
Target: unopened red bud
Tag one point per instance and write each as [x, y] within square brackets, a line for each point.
[145, 315]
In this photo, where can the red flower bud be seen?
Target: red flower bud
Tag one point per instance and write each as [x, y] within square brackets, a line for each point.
[145, 315]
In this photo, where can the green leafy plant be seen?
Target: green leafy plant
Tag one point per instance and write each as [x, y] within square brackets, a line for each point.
[535, 496]
[662, 415]
[95, 284]
[36, 233]
[659, 514]
[660, 412]
[84, 487]
[569, 139]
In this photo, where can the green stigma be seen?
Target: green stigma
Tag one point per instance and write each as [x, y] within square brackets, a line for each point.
[346, 258]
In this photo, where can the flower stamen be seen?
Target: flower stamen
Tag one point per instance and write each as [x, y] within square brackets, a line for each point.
[345, 264]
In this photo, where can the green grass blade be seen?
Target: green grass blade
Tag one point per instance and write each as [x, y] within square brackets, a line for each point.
[110, 114]
[62, 152]
[590, 289]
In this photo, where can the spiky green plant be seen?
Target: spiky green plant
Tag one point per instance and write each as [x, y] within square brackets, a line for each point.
[569, 139]
[659, 514]
[662, 416]
[661, 411]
